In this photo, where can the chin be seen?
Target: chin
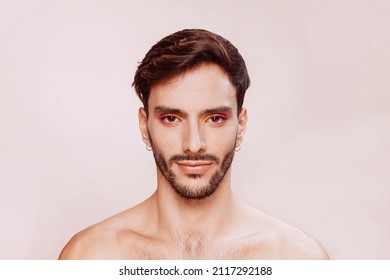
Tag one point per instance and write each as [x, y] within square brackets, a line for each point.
[194, 189]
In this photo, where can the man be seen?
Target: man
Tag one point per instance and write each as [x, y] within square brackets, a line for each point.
[192, 85]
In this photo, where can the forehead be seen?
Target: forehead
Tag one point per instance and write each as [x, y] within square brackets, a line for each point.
[208, 86]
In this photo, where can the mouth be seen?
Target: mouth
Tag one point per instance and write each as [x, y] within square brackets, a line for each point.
[194, 167]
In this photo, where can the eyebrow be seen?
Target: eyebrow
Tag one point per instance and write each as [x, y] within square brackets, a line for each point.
[170, 110]
[221, 109]
[166, 110]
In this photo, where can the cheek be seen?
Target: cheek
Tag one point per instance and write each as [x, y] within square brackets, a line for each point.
[166, 141]
[223, 139]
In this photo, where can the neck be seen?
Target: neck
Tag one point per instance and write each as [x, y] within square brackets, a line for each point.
[191, 218]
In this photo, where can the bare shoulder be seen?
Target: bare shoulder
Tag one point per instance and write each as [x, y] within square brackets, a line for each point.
[275, 239]
[85, 245]
[296, 244]
[105, 240]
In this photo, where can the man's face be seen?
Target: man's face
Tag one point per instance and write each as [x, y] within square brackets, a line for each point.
[193, 129]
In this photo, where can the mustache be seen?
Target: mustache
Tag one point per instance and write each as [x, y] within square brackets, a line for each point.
[200, 157]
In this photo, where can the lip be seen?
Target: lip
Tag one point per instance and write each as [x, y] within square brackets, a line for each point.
[194, 167]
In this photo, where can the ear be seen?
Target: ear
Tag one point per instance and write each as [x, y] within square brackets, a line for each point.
[143, 126]
[242, 121]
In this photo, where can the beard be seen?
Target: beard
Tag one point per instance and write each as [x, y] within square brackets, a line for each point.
[194, 190]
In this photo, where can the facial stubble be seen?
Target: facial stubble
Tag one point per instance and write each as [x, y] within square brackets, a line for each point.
[196, 192]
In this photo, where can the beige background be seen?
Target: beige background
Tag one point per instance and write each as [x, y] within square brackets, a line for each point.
[316, 153]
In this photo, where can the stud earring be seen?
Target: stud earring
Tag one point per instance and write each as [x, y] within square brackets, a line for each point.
[237, 149]
[148, 148]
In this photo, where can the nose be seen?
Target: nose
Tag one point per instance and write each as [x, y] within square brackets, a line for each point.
[193, 141]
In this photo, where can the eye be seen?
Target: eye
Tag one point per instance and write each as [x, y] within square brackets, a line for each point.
[216, 119]
[169, 119]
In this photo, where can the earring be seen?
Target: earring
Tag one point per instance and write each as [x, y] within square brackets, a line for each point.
[237, 149]
[148, 148]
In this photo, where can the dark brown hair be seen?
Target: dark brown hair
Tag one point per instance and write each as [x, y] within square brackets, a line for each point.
[185, 50]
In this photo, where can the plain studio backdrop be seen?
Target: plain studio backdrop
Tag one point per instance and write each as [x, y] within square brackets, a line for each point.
[316, 152]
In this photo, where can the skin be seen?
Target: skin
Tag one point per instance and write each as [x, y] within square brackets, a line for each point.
[197, 114]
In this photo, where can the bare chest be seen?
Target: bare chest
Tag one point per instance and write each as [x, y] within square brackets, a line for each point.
[195, 249]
